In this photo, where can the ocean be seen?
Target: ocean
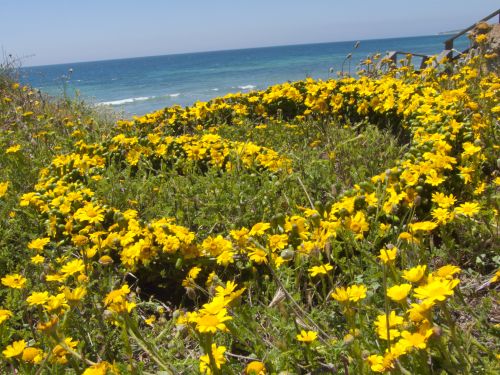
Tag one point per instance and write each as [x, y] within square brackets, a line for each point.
[136, 86]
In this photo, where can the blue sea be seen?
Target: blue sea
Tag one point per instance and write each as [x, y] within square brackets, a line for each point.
[136, 86]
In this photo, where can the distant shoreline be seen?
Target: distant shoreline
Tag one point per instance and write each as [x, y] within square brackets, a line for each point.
[142, 85]
[451, 32]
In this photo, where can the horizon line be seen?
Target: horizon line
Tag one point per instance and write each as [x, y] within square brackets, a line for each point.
[227, 50]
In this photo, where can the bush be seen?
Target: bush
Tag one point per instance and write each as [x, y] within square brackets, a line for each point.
[342, 226]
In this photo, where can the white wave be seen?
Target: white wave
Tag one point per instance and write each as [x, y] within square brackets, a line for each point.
[247, 87]
[215, 89]
[174, 95]
[125, 101]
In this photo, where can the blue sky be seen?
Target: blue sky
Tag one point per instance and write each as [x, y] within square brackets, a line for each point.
[57, 31]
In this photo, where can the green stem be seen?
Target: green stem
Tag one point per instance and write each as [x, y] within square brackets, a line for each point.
[324, 290]
[454, 338]
[74, 353]
[126, 343]
[136, 335]
[386, 308]
[206, 343]
[402, 369]
[445, 354]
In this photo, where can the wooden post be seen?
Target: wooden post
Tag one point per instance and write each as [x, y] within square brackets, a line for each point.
[448, 45]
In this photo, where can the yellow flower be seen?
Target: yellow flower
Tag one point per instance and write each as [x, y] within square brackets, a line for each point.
[195, 151]
[37, 259]
[218, 357]
[358, 224]
[356, 292]
[415, 340]
[481, 38]
[495, 277]
[414, 274]
[47, 326]
[353, 293]
[90, 213]
[424, 226]
[408, 237]
[116, 295]
[398, 293]
[240, 236]
[376, 363]
[149, 321]
[216, 305]
[14, 281]
[38, 244]
[320, 270]
[15, 349]
[436, 290]
[38, 298]
[211, 278]
[381, 325]
[259, 229]
[58, 278]
[32, 355]
[212, 322]
[116, 300]
[434, 179]
[257, 255]
[397, 350]
[388, 255]
[193, 273]
[4, 315]
[278, 241]
[442, 200]
[340, 294]
[255, 368]
[419, 311]
[59, 352]
[101, 368]
[13, 149]
[470, 149]
[446, 272]
[3, 188]
[191, 276]
[57, 302]
[465, 173]
[216, 245]
[229, 292]
[384, 228]
[307, 336]
[72, 267]
[442, 215]
[225, 258]
[467, 209]
[75, 295]
[480, 188]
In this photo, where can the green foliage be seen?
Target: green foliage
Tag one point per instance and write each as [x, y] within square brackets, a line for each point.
[341, 159]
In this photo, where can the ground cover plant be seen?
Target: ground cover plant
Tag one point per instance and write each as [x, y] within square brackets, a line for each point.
[346, 226]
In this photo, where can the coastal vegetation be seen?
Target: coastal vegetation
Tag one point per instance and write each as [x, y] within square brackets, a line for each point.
[346, 226]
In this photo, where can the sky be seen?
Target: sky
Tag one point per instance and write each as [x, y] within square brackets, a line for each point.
[42, 32]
